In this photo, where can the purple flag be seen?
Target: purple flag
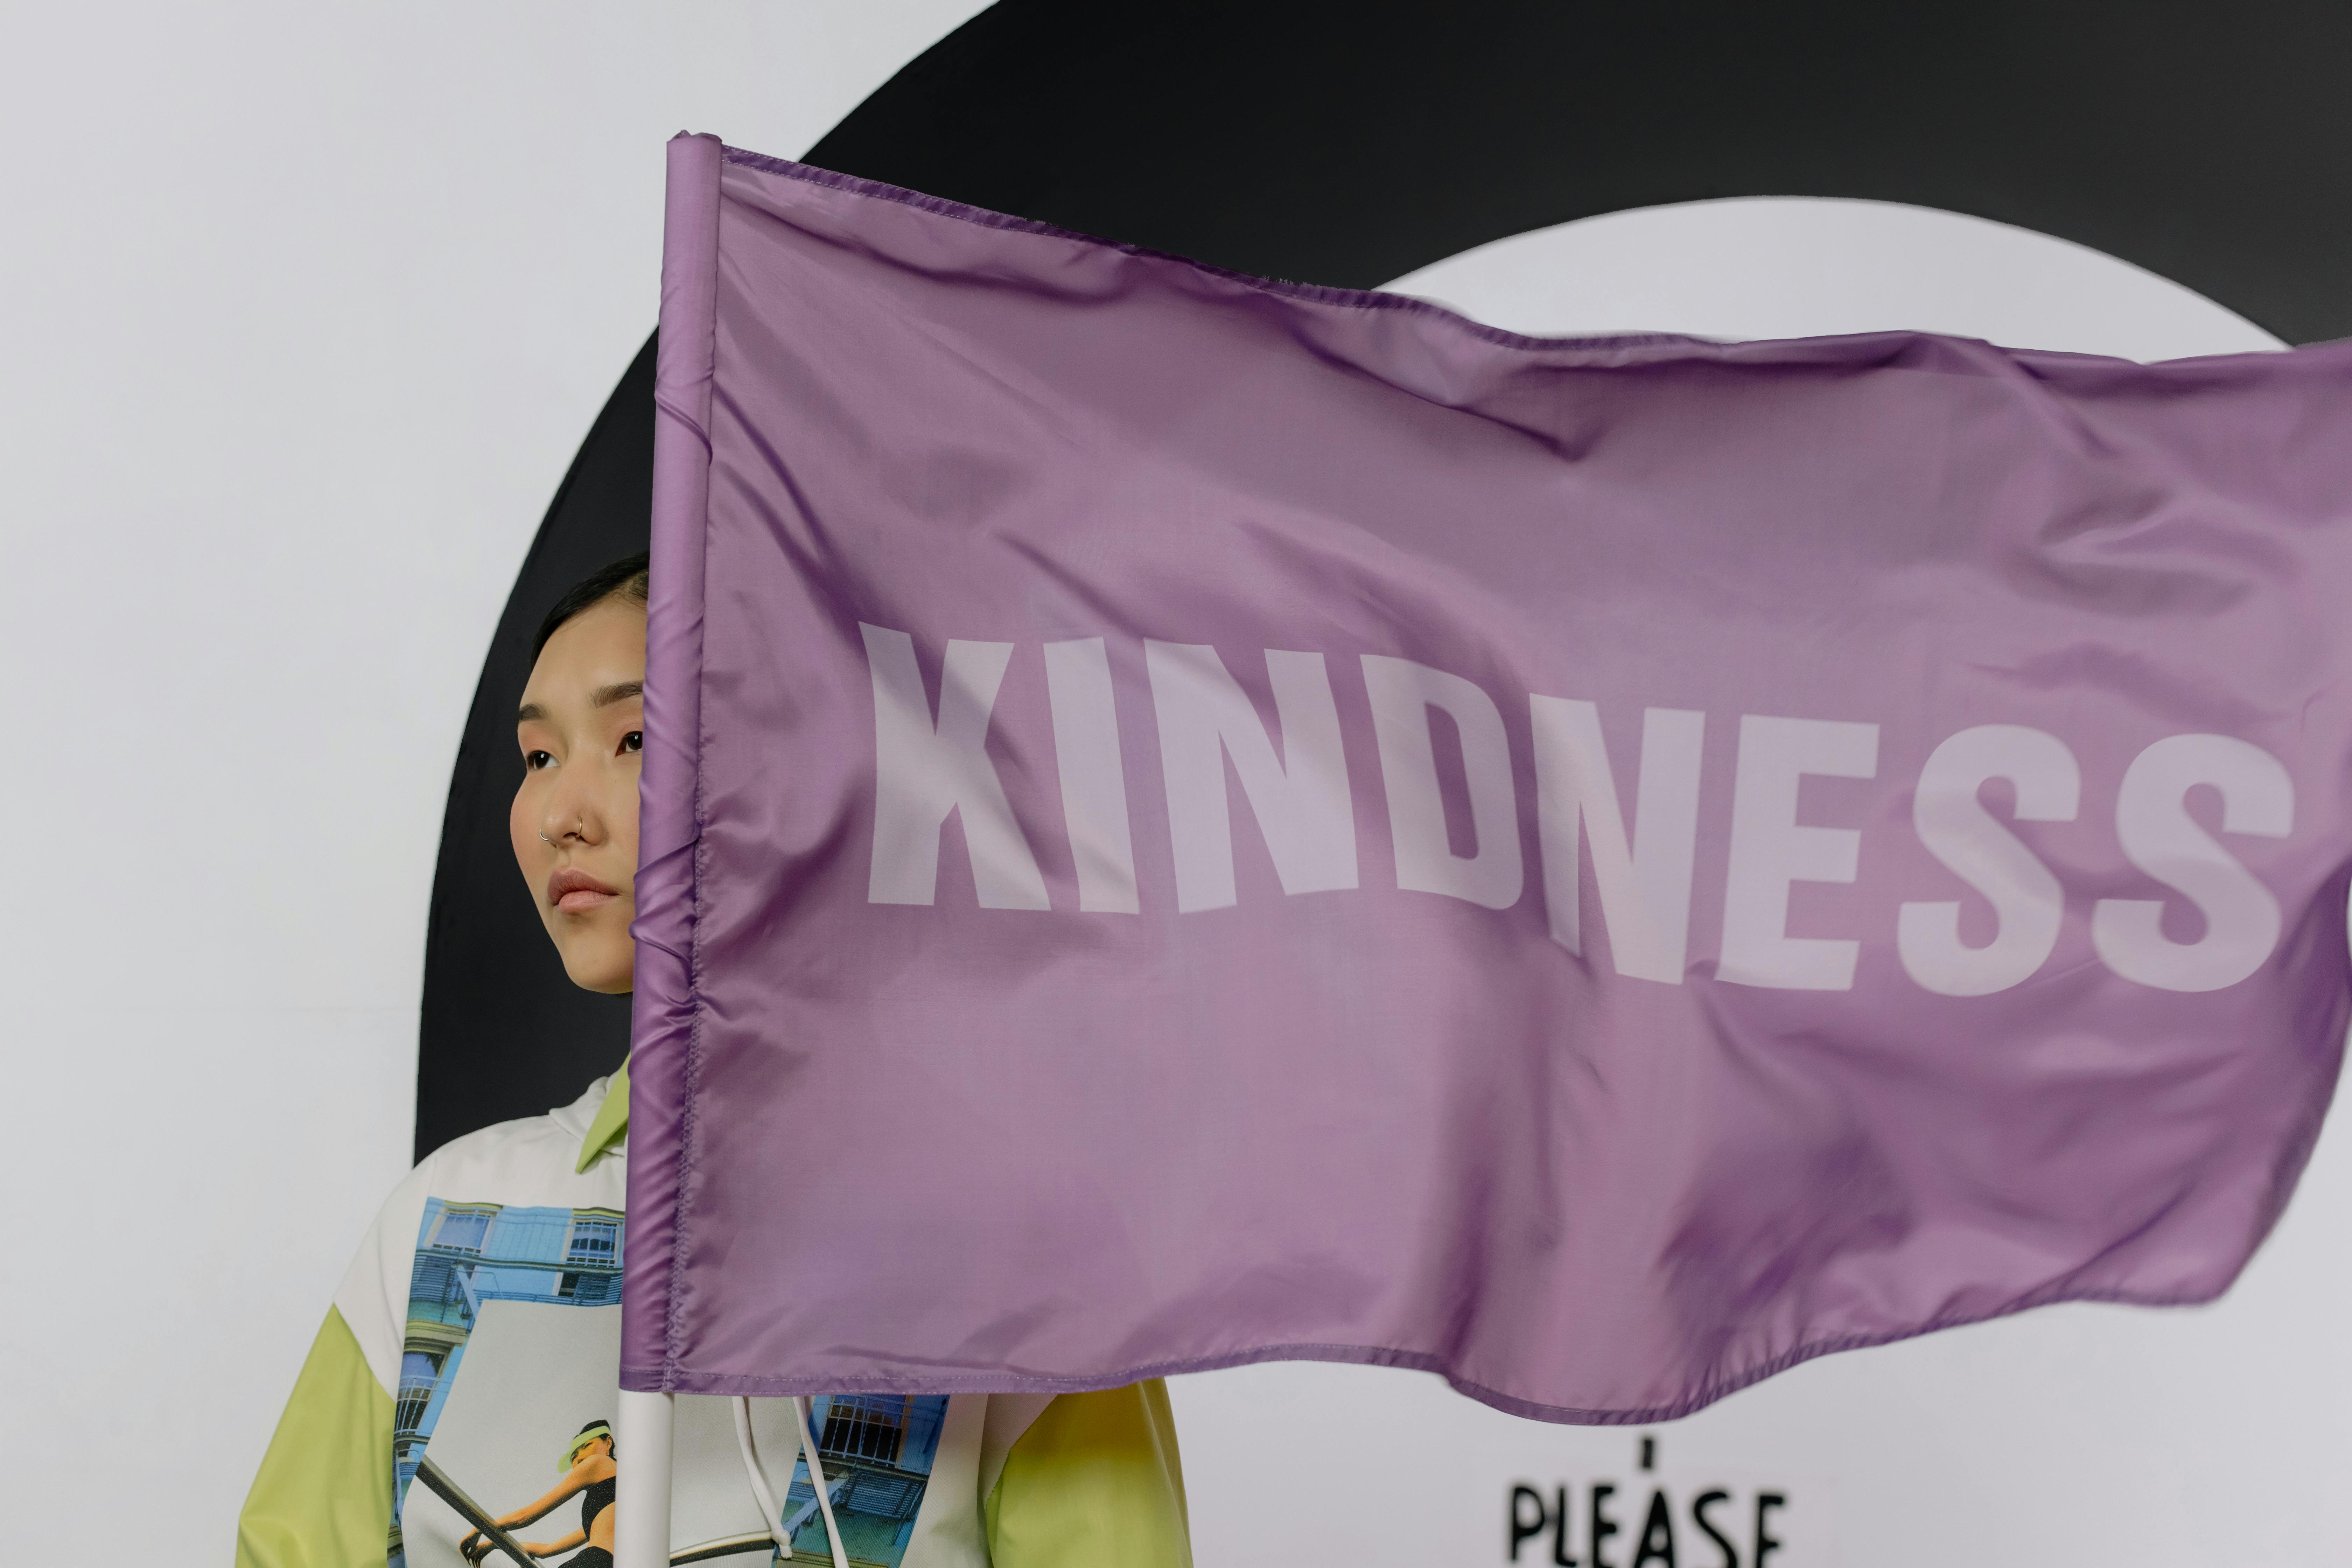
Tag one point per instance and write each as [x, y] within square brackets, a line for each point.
[1191, 820]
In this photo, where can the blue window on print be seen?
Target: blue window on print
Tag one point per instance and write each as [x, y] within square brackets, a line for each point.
[463, 1229]
[596, 1239]
[865, 1426]
[420, 1372]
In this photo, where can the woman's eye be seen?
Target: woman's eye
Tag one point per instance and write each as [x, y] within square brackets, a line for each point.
[634, 740]
[534, 761]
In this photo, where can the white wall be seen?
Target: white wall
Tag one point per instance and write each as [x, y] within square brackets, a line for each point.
[361, 278]
[305, 309]
[1783, 267]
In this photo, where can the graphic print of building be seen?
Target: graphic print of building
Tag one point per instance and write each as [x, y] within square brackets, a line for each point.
[876, 1451]
[467, 1254]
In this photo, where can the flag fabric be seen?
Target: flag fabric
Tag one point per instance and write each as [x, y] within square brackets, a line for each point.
[1191, 820]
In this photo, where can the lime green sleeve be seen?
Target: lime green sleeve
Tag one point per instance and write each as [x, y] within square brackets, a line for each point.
[324, 1499]
[1095, 1482]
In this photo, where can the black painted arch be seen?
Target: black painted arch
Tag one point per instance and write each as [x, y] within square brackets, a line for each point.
[1348, 143]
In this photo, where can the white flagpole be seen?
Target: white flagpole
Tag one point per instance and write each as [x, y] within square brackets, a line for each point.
[641, 1493]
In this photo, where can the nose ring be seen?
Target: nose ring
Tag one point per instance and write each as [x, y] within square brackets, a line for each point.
[543, 838]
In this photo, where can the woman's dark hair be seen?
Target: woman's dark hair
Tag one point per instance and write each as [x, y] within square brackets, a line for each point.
[624, 579]
[612, 1453]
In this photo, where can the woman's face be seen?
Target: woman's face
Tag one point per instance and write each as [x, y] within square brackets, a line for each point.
[574, 822]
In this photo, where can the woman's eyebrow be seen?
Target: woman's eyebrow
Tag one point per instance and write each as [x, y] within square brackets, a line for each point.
[603, 697]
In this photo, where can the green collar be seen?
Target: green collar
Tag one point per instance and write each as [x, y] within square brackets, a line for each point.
[612, 1122]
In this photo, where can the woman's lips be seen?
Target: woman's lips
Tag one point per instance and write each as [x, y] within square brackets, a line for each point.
[575, 892]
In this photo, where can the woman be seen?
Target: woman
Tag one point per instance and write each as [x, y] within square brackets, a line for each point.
[503, 1249]
[588, 1474]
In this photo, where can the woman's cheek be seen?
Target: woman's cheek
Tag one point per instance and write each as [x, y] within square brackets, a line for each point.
[523, 836]
[623, 811]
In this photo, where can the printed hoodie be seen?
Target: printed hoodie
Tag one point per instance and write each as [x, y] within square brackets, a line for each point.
[478, 1328]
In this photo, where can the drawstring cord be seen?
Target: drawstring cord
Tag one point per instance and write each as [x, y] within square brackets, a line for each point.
[766, 1499]
[759, 1479]
[816, 1480]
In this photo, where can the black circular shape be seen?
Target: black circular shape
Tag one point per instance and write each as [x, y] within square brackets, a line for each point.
[1348, 143]
[503, 1032]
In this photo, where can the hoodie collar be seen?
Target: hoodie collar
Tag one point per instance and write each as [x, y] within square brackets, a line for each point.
[611, 1124]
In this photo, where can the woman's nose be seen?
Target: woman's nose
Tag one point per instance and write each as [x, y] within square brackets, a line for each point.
[568, 819]
[572, 829]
